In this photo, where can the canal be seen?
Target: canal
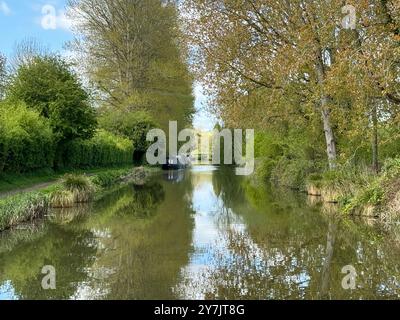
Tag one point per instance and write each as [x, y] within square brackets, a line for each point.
[203, 233]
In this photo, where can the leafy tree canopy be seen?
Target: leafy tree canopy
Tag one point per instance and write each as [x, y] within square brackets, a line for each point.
[48, 85]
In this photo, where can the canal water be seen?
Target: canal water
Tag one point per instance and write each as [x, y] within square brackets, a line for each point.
[204, 233]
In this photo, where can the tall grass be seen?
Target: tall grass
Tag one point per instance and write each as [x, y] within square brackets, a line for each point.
[22, 208]
[74, 189]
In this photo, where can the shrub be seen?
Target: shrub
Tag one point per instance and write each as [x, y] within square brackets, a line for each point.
[73, 182]
[264, 169]
[104, 149]
[132, 125]
[292, 172]
[107, 179]
[26, 140]
[62, 199]
[79, 186]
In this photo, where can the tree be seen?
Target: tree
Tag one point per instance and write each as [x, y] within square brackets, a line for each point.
[285, 55]
[2, 76]
[134, 57]
[364, 76]
[133, 125]
[48, 85]
[26, 51]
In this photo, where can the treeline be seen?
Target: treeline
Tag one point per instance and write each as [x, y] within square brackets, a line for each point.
[321, 96]
[47, 122]
[27, 144]
[136, 78]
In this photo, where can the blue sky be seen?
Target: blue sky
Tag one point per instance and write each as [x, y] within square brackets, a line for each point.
[45, 21]
[20, 19]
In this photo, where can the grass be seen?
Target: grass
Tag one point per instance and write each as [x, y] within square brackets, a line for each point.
[22, 208]
[381, 196]
[337, 186]
[62, 199]
[10, 182]
[67, 193]
[358, 191]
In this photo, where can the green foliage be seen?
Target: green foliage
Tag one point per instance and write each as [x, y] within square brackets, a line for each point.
[292, 172]
[286, 157]
[79, 186]
[150, 70]
[267, 145]
[132, 125]
[47, 85]
[26, 139]
[108, 178]
[391, 167]
[72, 182]
[264, 169]
[61, 198]
[73, 189]
[371, 195]
[104, 149]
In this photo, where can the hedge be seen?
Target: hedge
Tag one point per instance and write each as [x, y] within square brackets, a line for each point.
[27, 144]
[104, 149]
[26, 140]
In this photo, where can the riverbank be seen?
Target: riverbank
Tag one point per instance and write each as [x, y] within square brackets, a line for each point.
[361, 193]
[67, 192]
[11, 184]
[354, 191]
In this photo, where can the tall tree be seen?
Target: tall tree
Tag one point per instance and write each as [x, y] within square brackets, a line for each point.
[288, 53]
[2, 76]
[366, 73]
[269, 45]
[134, 57]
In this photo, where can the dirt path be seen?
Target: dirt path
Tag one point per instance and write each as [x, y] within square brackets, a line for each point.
[34, 187]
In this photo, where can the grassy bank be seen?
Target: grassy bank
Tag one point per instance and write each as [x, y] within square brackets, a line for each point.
[355, 190]
[67, 192]
[10, 182]
[360, 192]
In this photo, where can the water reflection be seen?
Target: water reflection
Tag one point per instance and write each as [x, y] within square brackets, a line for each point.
[203, 233]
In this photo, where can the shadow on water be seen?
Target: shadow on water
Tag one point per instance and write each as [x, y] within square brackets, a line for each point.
[200, 233]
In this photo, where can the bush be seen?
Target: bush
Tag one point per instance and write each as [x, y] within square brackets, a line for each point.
[72, 182]
[107, 179]
[266, 145]
[264, 170]
[26, 139]
[73, 189]
[132, 125]
[292, 172]
[104, 149]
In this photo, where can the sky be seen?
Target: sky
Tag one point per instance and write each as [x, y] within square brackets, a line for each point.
[45, 21]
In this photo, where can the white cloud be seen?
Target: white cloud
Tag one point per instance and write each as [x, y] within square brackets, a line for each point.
[53, 19]
[4, 8]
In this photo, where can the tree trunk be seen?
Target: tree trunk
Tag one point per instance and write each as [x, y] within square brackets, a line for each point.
[326, 119]
[326, 269]
[329, 138]
[375, 154]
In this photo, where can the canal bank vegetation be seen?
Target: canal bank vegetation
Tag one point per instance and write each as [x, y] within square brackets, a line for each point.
[324, 99]
[69, 192]
[68, 115]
